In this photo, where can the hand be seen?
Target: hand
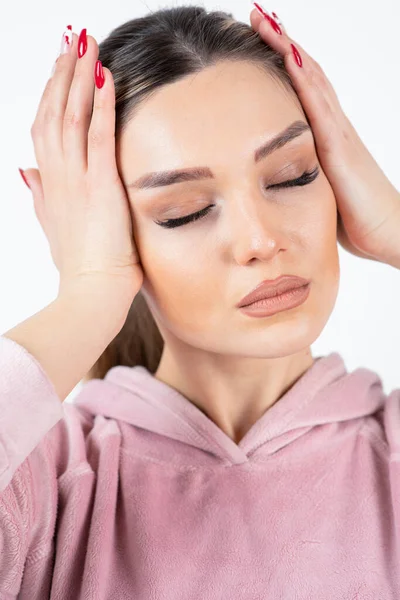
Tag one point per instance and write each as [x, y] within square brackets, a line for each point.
[78, 196]
[368, 204]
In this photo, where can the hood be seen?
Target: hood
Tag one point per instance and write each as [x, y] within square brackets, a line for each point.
[325, 393]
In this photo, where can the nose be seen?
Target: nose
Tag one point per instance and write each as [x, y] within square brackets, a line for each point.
[256, 231]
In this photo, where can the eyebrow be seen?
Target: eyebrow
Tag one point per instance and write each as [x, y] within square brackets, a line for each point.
[163, 178]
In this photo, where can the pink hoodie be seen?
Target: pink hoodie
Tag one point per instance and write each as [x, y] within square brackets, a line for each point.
[132, 492]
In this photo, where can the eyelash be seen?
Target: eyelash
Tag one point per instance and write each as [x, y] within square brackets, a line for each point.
[306, 178]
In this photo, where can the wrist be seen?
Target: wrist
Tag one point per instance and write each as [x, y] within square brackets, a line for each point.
[105, 303]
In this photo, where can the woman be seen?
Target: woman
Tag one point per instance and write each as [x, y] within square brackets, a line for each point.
[209, 454]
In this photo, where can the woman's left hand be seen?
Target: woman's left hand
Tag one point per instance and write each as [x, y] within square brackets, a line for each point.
[368, 204]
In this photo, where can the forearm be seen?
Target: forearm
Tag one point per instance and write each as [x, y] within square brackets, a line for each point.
[69, 335]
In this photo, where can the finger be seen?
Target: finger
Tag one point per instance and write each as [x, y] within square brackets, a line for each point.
[101, 135]
[53, 120]
[78, 111]
[277, 19]
[45, 96]
[50, 118]
[35, 134]
[313, 89]
[43, 101]
[310, 73]
[256, 17]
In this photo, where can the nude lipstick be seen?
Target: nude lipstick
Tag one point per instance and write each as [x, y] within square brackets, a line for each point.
[273, 296]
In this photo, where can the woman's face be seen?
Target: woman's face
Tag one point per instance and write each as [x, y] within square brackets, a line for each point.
[195, 274]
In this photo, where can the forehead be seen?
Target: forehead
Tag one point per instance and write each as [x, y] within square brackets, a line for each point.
[228, 106]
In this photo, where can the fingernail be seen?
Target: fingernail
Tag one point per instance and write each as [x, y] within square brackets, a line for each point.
[24, 178]
[278, 20]
[297, 55]
[271, 20]
[82, 43]
[99, 74]
[66, 40]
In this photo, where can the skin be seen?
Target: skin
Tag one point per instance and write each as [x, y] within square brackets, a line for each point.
[231, 366]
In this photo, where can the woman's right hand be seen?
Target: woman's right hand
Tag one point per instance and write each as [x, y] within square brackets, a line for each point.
[79, 198]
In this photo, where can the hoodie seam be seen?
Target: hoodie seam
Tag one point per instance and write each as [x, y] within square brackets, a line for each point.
[176, 466]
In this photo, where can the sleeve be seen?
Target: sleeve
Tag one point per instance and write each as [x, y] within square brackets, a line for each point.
[391, 419]
[29, 408]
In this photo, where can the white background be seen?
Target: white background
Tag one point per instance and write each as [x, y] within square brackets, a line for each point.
[357, 45]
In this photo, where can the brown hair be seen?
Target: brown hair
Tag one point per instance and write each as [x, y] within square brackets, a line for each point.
[144, 54]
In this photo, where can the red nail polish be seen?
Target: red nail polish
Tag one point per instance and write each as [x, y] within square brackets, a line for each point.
[297, 55]
[82, 43]
[24, 178]
[273, 23]
[99, 74]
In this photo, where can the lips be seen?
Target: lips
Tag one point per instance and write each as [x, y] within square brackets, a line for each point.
[274, 287]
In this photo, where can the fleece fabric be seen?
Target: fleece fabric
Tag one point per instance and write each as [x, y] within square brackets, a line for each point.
[132, 492]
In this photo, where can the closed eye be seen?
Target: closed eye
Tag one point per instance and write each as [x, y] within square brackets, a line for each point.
[306, 178]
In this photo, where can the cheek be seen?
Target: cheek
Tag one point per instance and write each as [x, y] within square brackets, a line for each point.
[325, 255]
[178, 279]
[322, 218]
